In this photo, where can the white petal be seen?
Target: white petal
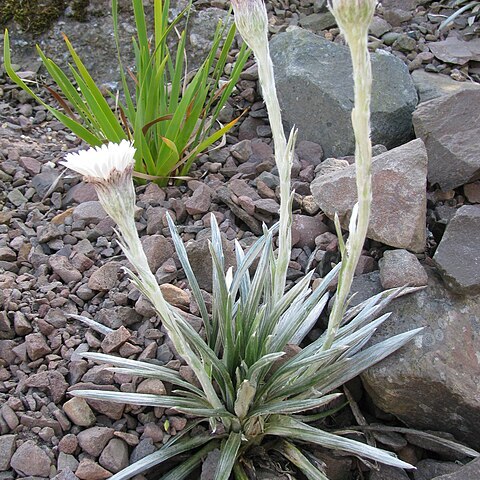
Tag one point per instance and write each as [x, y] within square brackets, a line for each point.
[100, 162]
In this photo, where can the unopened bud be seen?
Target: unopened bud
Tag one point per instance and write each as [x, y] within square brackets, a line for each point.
[353, 16]
[252, 21]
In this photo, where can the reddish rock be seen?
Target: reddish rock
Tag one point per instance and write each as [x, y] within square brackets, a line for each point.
[106, 277]
[79, 412]
[36, 346]
[93, 440]
[110, 409]
[30, 459]
[200, 201]
[399, 196]
[153, 386]
[89, 470]
[174, 295]
[68, 444]
[158, 250]
[50, 380]
[305, 229]
[114, 340]
[64, 269]
[7, 448]
[114, 456]
[399, 268]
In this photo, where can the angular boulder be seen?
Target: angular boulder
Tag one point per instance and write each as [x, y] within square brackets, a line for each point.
[432, 382]
[458, 254]
[399, 196]
[432, 85]
[315, 89]
[448, 126]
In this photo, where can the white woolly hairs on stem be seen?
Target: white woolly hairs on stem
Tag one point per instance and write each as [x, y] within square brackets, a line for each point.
[354, 17]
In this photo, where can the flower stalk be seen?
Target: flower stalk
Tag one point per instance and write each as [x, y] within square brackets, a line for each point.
[252, 23]
[109, 168]
[354, 17]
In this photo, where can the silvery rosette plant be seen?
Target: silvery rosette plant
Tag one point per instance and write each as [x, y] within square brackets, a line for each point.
[248, 394]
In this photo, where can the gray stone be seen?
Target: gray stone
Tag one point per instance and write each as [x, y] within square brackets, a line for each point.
[470, 471]
[242, 151]
[433, 85]
[399, 196]
[158, 250]
[117, 316]
[16, 197]
[89, 212]
[66, 462]
[399, 268]
[201, 261]
[209, 466]
[405, 4]
[404, 43]
[431, 469]
[43, 181]
[432, 382]
[114, 456]
[316, 22]
[7, 448]
[379, 26]
[144, 448]
[455, 50]
[458, 255]
[30, 459]
[64, 269]
[447, 125]
[314, 81]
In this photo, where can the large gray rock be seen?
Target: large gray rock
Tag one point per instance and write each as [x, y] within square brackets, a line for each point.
[458, 255]
[315, 88]
[433, 85]
[399, 196]
[470, 471]
[449, 125]
[433, 382]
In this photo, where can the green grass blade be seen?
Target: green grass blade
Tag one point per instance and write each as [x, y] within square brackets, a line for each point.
[101, 104]
[74, 126]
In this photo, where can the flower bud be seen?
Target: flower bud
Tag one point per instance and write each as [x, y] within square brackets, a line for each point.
[353, 16]
[252, 21]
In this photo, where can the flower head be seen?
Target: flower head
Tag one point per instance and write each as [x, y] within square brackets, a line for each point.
[97, 164]
[353, 16]
[110, 168]
[252, 22]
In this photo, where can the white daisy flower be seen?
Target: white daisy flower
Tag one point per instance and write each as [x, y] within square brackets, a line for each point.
[98, 163]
